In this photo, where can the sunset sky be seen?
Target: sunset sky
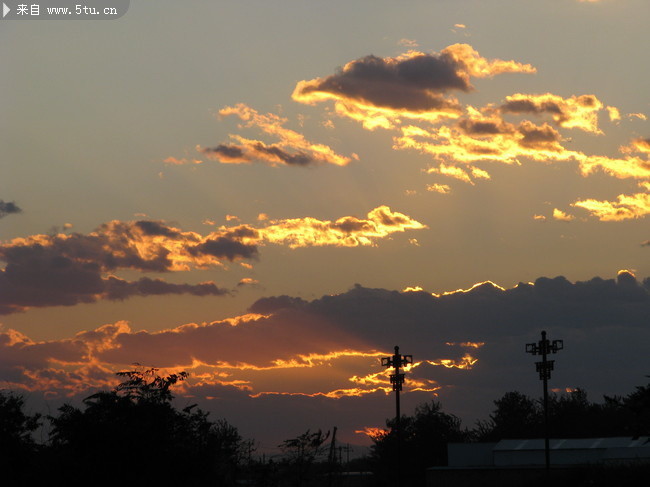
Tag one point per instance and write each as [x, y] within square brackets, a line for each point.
[272, 195]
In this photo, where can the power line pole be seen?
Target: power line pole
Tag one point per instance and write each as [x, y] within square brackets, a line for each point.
[543, 348]
[397, 361]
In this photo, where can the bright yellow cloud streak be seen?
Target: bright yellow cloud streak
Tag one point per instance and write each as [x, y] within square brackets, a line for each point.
[480, 67]
[580, 112]
[344, 232]
[626, 207]
[562, 216]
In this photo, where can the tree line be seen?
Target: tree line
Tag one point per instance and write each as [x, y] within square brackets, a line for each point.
[135, 436]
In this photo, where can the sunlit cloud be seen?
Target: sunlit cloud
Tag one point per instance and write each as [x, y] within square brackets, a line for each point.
[248, 281]
[580, 112]
[626, 207]
[380, 91]
[68, 269]
[412, 289]
[372, 432]
[633, 167]
[345, 232]
[182, 161]
[291, 149]
[614, 114]
[439, 188]
[562, 216]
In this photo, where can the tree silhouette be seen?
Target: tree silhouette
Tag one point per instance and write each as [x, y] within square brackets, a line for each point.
[300, 454]
[516, 416]
[135, 430]
[17, 446]
[422, 443]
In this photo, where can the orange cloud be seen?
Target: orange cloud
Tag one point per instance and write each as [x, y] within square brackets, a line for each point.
[92, 260]
[292, 148]
[178, 162]
[372, 432]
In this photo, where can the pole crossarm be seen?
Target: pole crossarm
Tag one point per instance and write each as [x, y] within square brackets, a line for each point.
[397, 361]
[544, 347]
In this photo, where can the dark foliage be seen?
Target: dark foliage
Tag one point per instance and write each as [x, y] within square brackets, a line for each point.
[419, 442]
[301, 453]
[17, 447]
[571, 415]
[135, 431]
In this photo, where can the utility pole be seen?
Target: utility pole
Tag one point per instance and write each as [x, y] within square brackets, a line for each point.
[397, 379]
[543, 348]
[397, 361]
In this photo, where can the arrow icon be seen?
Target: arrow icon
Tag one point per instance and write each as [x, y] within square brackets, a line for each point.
[5, 10]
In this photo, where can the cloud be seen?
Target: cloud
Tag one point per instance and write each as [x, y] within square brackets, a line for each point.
[324, 353]
[439, 188]
[626, 207]
[292, 149]
[314, 358]
[412, 94]
[579, 112]
[183, 161]
[8, 208]
[348, 231]
[377, 91]
[562, 216]
[69, 269]
[408, 43]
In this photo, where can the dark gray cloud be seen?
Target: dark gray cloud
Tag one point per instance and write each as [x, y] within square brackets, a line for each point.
[605, 324]
[149, 227]
[542, 137]
[482, 313]
[254, 150]
[226, 152]
[299, 158]
[480, 127]
[415, 84]
[8, 208]
[225, 247]
[120, 289]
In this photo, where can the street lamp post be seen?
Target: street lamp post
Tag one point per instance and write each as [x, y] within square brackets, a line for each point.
[543, 348]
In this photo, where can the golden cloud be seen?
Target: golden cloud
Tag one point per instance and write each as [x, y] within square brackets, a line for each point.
[345, 232]
[579, 112]
[562, 216]
[292, 148]
[67, 269]
[626, 207]
[379, 92]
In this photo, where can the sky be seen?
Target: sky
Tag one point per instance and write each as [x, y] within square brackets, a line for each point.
[272, 195]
